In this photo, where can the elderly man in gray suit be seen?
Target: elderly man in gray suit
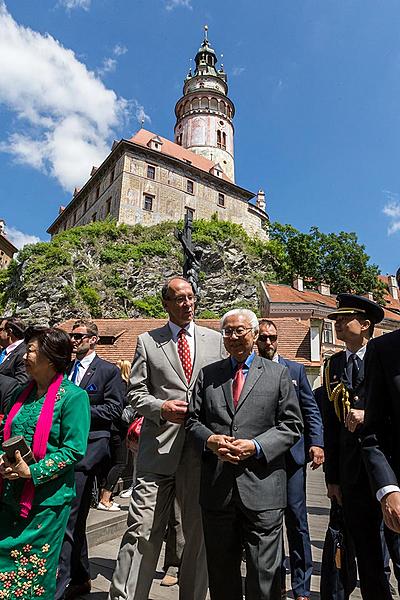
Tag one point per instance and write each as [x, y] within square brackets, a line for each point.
[164, 371]
[244, 416]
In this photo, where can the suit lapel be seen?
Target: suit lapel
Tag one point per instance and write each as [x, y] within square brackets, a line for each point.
[89, 373]
[168, 346]
[252, 377]
[226, 367]
[200, 350]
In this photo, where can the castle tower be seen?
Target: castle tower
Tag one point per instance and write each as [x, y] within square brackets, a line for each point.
[204, 113]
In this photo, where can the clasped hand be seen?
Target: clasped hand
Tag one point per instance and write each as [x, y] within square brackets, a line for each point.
[14, 470]
[229, 449]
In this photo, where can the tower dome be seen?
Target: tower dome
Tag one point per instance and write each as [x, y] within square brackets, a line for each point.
[204, 113]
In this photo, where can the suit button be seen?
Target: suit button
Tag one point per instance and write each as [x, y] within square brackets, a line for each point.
[356, 398]
[235, 428]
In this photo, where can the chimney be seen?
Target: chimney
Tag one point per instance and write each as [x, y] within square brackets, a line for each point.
[324, 289]
[393, 289]
[260, 202]
[2, 226]
[298, 283]
[370, 296]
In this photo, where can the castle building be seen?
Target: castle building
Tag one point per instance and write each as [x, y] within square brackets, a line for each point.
[7, 249]
[148, 179]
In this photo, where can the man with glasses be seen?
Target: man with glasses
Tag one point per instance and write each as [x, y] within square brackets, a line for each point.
[244, 416]
[308, 448]
[103, 383]
[164, 370]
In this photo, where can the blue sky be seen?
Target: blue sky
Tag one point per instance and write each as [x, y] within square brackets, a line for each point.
[316, 86]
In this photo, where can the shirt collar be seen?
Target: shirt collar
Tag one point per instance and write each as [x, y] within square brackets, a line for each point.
[275, 358]
[247, 362]
[360, 353]
[87, 360]
[175, 329]
[12, 346]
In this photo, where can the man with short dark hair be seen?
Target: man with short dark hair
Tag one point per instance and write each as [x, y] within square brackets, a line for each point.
[166, 363]
[308, 448]
[103, 383]
[13, 348]
[343, 405]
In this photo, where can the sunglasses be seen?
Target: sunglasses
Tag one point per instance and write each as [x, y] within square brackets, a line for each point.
[264, 338]
[79, 336]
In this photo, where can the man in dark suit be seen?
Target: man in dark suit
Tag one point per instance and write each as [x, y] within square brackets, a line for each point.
[343, 407]
[244, 416]
[103, 383]
[12, 351]
[308, 448]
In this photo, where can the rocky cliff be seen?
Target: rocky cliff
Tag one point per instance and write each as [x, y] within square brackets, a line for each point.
[105, 270]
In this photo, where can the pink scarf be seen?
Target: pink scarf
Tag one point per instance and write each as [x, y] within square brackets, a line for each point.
[40, 437]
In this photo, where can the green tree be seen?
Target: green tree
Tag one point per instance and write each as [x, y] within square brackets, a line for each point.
[334, 258]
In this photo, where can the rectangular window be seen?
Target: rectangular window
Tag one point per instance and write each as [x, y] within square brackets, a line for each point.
[189, 186]
[97, 192]
[148, 202]
[221, 199]
[108, 206]
[151, 172]
[328, 333]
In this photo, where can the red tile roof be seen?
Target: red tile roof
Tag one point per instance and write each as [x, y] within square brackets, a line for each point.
[143, 137]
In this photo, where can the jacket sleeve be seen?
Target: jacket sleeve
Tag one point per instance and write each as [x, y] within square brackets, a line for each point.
[289, 424]
[139, 393]
[331, 437]
[73, 440]
[313, 428]
[19, 370]
[377, 427]
[110, 410]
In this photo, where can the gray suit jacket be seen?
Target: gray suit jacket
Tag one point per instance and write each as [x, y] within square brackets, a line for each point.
[157, 375]
[268, 411]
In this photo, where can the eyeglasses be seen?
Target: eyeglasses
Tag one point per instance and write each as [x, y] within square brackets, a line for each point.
[264, 337]
[238, 331]
[182, 299]
[79, 336]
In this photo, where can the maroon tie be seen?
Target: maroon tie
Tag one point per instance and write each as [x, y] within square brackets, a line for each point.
[237, 384]
[184, 354]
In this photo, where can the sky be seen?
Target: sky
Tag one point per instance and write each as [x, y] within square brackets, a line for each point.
[316, 85]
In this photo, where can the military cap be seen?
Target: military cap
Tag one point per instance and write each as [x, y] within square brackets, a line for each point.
[350, 304]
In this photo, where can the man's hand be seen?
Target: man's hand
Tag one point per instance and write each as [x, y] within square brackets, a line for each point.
[222, 446]
[354, 418]
[18, 469]
[174, 411]
[317, 457]
[390, 505]
[334, 492]
[244, 448]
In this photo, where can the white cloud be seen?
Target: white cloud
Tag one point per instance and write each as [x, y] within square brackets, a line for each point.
[19, 238]
[237, 71]
[140, 114]
[171, 4]
[119, 50]
[392, 210]
[72, 4]
[66, 116]
[109, 65]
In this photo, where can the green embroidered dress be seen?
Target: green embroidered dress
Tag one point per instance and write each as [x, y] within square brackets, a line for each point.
[30, 548]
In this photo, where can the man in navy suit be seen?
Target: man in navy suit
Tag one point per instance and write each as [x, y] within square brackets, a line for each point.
[308, 448]
[103, 383]
[12, 350]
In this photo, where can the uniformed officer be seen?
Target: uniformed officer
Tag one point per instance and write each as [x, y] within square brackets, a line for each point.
[343, 416]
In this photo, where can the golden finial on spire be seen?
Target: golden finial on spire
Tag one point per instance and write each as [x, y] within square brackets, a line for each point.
[206, 32]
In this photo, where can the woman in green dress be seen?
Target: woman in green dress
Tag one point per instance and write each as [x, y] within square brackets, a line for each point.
[53, 416]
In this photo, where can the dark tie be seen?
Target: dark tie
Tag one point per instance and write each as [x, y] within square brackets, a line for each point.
[75, 372]
[184, 354]
[353, 369]
[237, 384]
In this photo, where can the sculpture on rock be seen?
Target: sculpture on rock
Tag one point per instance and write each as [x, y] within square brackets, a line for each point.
[193, 254]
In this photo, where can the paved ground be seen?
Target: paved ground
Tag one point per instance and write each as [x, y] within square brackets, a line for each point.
[103, 555]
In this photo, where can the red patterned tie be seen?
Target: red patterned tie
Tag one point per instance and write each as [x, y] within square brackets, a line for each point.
[184, 354]
[237, 384]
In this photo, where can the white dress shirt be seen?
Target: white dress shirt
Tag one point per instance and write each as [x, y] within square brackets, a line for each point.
[83, 367]
[175, 329]
[12, 346]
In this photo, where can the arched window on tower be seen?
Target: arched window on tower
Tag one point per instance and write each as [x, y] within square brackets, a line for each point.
[214, 104]
[204, 103]
[219, 138]
[196, 104]
[223, 140]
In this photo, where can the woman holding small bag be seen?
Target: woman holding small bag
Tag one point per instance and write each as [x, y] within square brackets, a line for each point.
[35, 499]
